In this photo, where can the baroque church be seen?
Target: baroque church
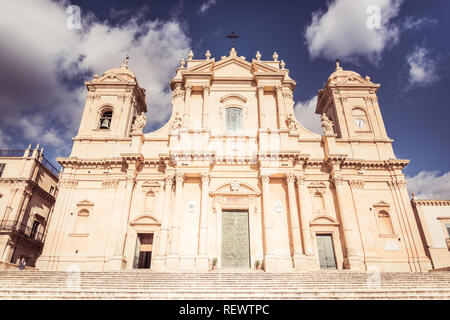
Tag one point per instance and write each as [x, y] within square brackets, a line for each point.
[232, 180]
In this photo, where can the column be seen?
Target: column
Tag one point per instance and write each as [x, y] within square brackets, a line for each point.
[27, 194]
[125, 211]
[175, 230]
[187, 102]
[281, 108]
[262, 110]
[202, 259]
[351, 258]
[305, 214]
[205, 115]
[268, 228]
[293, 213]
[162, 248]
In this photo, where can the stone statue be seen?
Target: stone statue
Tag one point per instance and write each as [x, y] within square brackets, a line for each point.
[176, 122]
[139, 122]
[327, 124]
[291, 122]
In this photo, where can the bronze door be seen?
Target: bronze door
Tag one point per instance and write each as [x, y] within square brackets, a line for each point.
[235, 240]
[327, 258]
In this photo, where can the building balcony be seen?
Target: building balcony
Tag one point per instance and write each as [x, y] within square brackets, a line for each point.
[21, 230]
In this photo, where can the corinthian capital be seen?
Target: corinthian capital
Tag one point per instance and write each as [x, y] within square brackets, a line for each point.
[264, 177]
[300, 179]
[336, 179]
[290, 177]
[205, 177]
[169, 180]
[179, 176]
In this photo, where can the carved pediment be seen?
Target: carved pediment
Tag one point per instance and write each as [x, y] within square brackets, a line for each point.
[233, 67]
[85, 203]
[233, 96]
[145, 219]
[111, 77]
[151, 184]
[317, 185]
[236, 187]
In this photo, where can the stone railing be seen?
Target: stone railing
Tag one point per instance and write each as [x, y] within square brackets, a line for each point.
[10, 225]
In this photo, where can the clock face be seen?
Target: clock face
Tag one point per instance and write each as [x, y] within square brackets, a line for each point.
[360, 123]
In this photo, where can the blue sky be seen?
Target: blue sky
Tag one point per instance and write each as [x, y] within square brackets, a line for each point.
[44, 63]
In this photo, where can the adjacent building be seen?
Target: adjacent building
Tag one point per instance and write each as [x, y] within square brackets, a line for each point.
[433, 218]
[233, 177]
[28, 187]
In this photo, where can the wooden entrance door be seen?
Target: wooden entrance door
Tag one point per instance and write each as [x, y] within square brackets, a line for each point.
[143, 255]
[235, 239]
[326, 251]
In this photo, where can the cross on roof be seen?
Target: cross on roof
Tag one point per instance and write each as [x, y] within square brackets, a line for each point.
[232, 36]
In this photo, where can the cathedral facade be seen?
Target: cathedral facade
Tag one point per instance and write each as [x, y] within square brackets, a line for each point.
[232, 180]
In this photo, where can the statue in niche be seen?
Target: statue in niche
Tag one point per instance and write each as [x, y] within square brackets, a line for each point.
[139, 122]
[291, 122]
[327, 124]
[176, 122]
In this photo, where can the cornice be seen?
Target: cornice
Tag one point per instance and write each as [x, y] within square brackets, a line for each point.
[430, 202]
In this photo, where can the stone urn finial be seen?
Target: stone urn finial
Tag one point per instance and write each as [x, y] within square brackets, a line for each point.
[182, 63]
[275, 56]
[190, 55]
[282, 64]
[208, 54]
[258, 56]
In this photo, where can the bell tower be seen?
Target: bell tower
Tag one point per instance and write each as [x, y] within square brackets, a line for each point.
[114, 100]
[351, 103]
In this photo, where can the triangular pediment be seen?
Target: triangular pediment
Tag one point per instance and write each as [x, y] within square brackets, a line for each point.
[261, 67]
[111, 77]
[236, 187]
[355, 80]
[85, 203]
[233, 67]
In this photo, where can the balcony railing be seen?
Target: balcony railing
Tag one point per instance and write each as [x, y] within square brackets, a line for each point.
[10, 225]
[11, 153]
[50, 167]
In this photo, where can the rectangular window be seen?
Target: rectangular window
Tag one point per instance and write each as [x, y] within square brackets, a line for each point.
[233, 120]
[2, 168]
[51, 190]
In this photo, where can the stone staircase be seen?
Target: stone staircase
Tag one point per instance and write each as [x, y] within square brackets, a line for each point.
[140, 284]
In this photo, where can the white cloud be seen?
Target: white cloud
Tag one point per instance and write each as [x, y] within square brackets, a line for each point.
[342, 31]
[423, 70]
[305, 114]
[206, 6]
[46, 64]
[411, 23]
[429, 185]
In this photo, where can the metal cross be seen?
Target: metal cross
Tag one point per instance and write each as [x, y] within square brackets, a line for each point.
[232, 36]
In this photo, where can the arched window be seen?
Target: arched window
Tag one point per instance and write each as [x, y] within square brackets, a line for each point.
[385, 223]
[105, 119]
[318, 204]
[233, 120]
[82, 222]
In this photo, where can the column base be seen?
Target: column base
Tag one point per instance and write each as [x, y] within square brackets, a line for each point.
[354, 263]
[272, 263]
[159, 263]
[202, 263]
[306, 263]
[172, 262]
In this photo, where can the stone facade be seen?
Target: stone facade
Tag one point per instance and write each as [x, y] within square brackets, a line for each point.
[28, 187]
[433, 218]
[233, 177]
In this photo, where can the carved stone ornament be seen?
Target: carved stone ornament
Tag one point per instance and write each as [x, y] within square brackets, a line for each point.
[205, 177]
[139, 123]
[292, 122]
[234, 186]
[327, 124]
[177, 121]
[264, 178]
[290, 177]
[178, 93]
[278, 207]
